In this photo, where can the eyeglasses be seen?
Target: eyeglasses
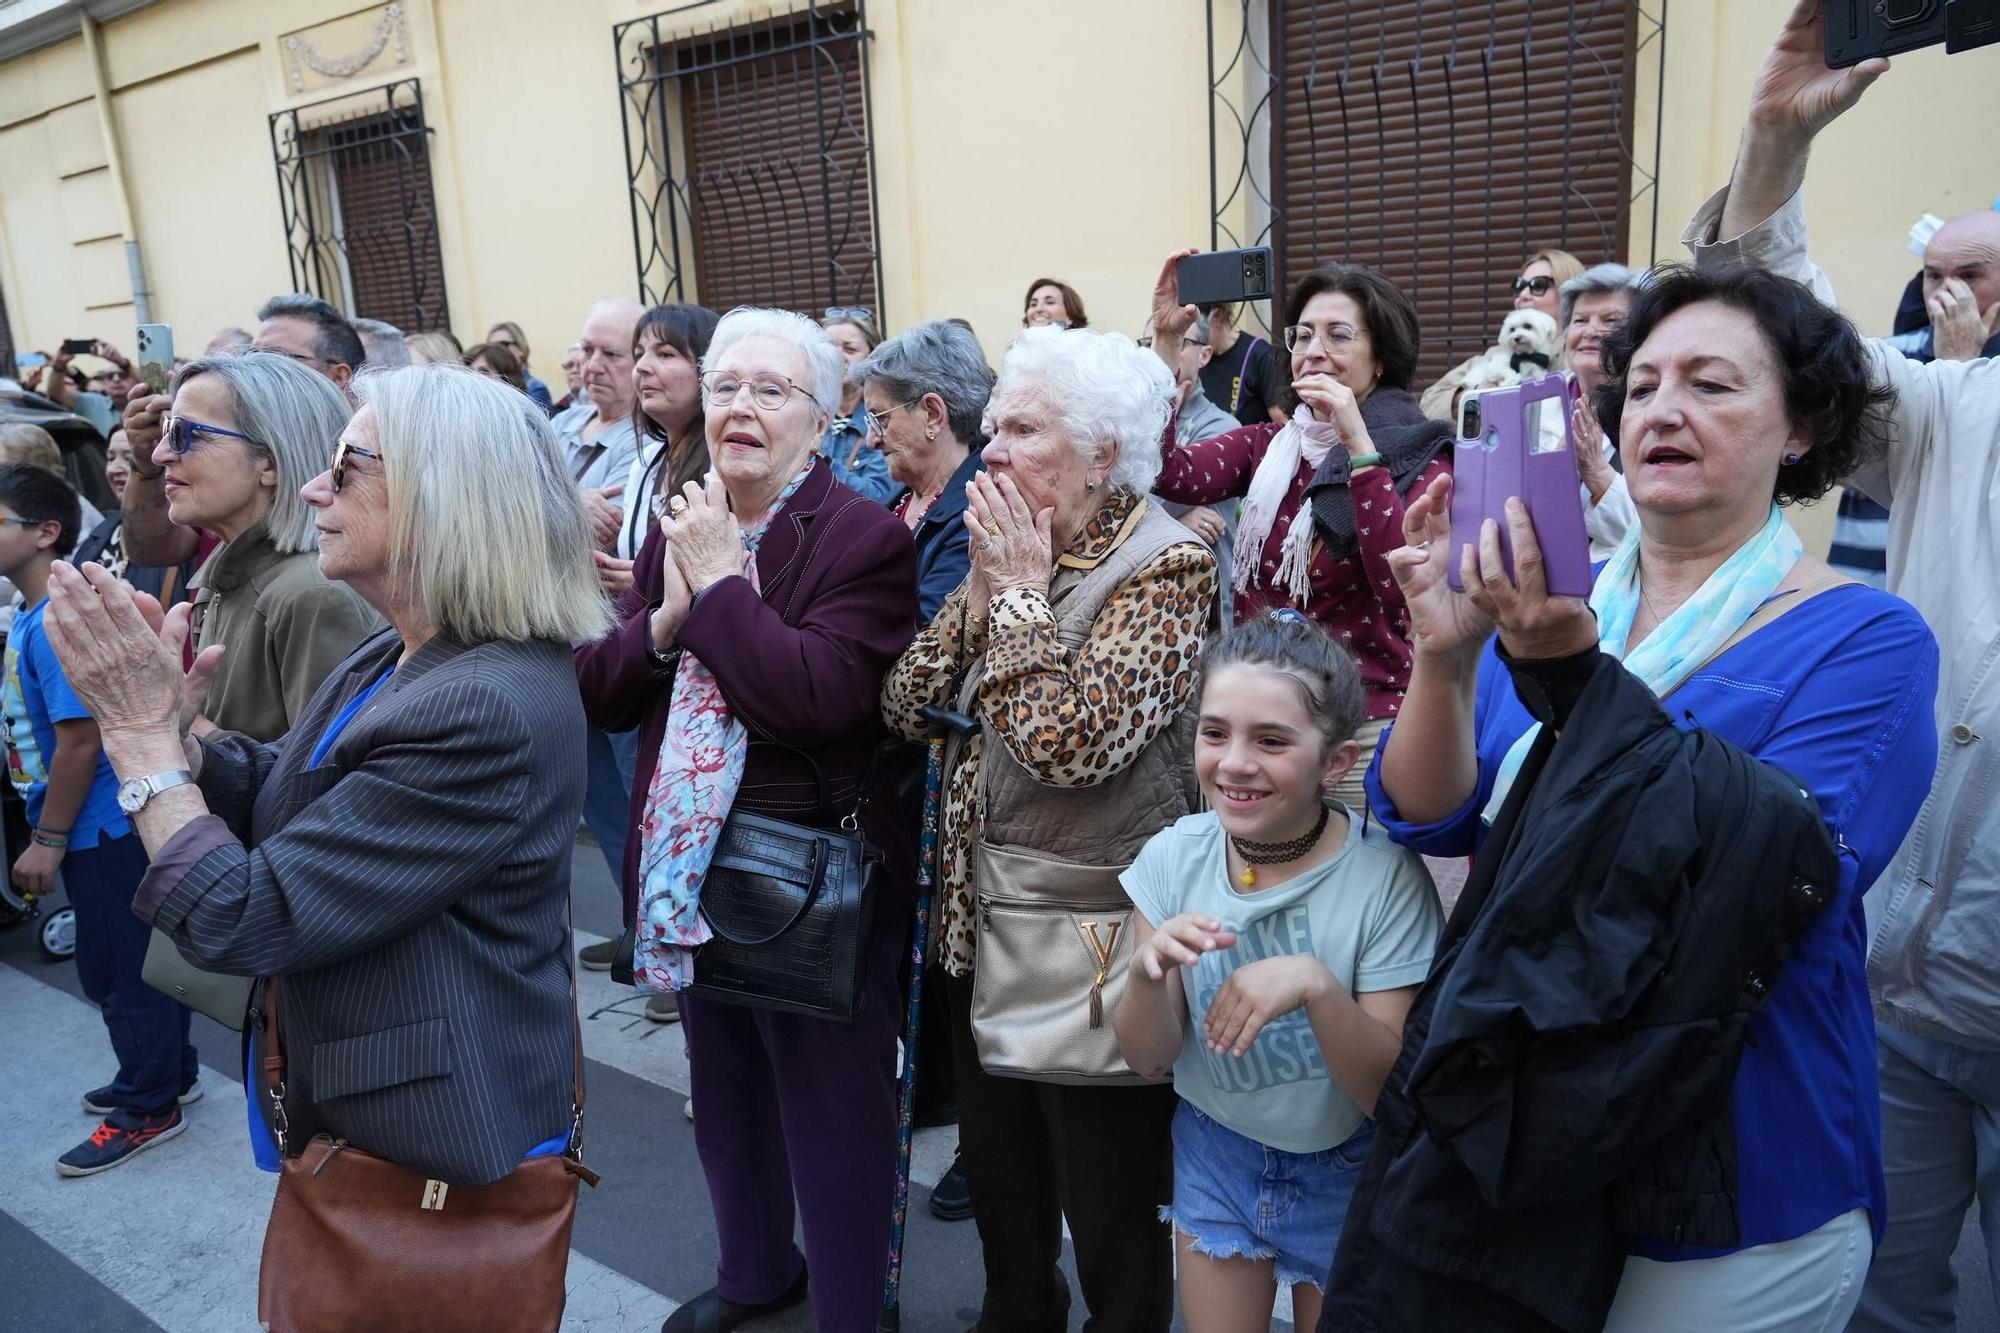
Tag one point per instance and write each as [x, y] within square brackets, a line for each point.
[1535, 286]
[1332, 337]
[1147, 340]
[24, 522]
[839, 312]
[179, 433]
[879, 421]
[342, 452]
[295, 356]
[769, 393]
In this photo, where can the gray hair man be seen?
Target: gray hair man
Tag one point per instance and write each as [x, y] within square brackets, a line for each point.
[1197, 418]
[311, 332]
[598, 436]
[1932, 969]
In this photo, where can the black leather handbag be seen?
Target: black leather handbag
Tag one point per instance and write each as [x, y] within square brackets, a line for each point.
[790, 907]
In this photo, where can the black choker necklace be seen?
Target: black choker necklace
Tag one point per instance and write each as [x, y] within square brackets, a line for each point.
[1256, 854]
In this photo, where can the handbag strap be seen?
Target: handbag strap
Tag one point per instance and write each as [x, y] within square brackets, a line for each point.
[274, 1054]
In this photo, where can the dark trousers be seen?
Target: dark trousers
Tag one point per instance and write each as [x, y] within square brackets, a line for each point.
[789, 1108]
[1035, 1153]
[149, 1030]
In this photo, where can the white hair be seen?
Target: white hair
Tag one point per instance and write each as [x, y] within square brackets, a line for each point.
[488, 533]
[828, 368]
[1105, 390]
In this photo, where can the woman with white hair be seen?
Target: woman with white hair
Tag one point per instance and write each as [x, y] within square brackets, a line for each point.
[1072, 643]
[765, 608]
[399, 862]
[243, 435]
[1595, 305]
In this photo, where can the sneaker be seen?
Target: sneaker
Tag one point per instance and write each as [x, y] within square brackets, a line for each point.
[951, 1197]
[662, 1009]
[597, 957]
[98, 1100]
[688, 1109]
[122, 1134]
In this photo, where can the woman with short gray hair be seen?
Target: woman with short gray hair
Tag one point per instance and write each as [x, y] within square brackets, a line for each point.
[243, 435]
[1595, 304]
[1072, 643]
[926, 391]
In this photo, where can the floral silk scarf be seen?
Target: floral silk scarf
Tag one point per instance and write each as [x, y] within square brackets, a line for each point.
[700, 769]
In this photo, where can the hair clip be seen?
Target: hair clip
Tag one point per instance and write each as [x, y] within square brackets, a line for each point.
[1286, 615]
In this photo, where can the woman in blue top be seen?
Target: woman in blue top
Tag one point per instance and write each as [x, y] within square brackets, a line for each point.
[1729, 394]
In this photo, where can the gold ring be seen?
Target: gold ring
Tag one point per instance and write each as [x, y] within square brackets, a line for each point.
[993, 530]
[677, 506]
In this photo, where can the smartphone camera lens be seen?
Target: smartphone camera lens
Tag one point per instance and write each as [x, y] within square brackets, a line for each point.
[1898, 13]
[1469, 429]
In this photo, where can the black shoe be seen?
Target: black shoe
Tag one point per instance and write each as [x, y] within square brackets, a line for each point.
[951, 1197]
[122, 1134]
[597, 957]
[710, 1312]
[98, 1100]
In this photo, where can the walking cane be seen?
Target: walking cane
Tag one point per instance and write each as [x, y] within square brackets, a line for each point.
[941, 721]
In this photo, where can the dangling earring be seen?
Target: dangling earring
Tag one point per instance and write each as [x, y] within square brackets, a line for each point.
[1792, 460]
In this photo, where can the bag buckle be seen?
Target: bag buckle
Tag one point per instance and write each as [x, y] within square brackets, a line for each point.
[278, 1121]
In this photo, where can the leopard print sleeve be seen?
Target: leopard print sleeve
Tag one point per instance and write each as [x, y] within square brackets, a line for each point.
[1074, 718]
[928, 672]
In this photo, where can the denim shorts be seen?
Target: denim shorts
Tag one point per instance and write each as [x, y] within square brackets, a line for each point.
[1234, 1198]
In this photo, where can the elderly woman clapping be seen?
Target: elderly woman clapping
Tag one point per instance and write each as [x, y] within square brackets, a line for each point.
[926, 392]
[401, 858]
[1072, 642]
[1595, 304]
[765, 609]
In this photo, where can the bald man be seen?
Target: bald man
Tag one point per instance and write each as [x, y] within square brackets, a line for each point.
[1933, 964]
[1961, 292]
[598, 434]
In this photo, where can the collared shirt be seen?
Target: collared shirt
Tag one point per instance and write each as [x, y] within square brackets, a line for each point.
[1061, 712]
[1931, 961]
[605, 460]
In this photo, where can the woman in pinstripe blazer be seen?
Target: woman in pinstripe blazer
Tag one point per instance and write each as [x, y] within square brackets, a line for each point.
[402, 857]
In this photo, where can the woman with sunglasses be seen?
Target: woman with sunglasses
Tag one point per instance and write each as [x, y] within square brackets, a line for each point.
[848, 444]
[1323, 493]
[1539, 287]
[243, 435]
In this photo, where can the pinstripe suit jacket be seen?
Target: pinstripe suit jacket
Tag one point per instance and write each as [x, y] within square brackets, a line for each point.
[412, 891]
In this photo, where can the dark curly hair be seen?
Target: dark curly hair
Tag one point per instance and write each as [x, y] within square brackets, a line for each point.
[1390, 315]
[1822, 361]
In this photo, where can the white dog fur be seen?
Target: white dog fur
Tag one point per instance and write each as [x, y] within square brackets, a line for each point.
[1524, 332]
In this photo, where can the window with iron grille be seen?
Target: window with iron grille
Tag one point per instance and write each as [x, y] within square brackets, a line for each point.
[354, 186]
[1440, 142]
[749, 158]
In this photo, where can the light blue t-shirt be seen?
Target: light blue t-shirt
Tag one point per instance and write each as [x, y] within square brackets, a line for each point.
[37, 696]
[1370, 914]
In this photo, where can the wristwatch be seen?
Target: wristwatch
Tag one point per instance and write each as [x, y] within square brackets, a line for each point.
[133, 795]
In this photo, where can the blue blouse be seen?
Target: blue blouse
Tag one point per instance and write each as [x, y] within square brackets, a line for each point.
[1837, 692]
[869, 472]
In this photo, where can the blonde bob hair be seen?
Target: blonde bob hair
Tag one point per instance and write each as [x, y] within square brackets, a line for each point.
[487, 532]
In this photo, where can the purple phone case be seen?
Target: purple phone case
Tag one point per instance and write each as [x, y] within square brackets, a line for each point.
[1503, 462]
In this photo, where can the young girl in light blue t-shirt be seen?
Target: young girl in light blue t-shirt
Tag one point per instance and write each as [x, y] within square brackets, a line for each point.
[1279, 945]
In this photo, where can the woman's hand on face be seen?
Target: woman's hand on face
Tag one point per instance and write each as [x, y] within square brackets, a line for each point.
[1011, 544]
[1258, 992]
[1533, 625]
[704, 539]
[121, 669]
[1180, 941]
[1335, 403]
[1443, 622]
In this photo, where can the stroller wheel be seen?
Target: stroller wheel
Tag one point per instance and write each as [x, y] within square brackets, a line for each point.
[58, 935]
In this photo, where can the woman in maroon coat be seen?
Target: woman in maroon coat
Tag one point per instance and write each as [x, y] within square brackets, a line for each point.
[777, 599]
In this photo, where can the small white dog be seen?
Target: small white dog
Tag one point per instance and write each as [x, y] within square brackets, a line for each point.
[1526, 350]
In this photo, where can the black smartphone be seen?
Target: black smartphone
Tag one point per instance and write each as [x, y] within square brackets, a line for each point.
[78, 346]
[1858, 30]
[1225, 277]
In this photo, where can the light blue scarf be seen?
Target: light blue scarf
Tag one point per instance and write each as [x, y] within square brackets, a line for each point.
[1687, 639]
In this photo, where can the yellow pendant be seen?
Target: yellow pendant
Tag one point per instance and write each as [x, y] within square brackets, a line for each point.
[1249, 876]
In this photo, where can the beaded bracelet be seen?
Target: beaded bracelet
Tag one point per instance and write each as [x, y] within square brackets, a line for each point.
[59, 841]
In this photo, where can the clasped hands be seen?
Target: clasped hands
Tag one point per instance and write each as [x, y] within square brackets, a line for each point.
[1011, 543]
[704, 546]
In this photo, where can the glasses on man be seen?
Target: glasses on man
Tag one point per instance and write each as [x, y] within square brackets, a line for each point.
[343, 452]
[1148, 340]
[1332, 337]
[768, 392]
[183, 433]
[861, 312]
[1536, 286]
[878, 422]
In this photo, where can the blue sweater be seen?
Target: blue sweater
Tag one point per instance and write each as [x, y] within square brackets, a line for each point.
[1837, 692]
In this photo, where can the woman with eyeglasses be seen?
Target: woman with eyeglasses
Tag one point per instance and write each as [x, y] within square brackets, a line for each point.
[1323, 493]
[849, 445]
[765, 610]
[1539, 287]
[244, 434]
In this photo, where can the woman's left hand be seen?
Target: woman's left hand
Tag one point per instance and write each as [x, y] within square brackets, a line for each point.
[1011, 544]
[117, 665]
[1533, 624]
[1258, 992]
[1335, 403]
[705, 539]
[1592, 466]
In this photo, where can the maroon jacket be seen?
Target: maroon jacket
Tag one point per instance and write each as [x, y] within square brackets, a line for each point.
[801, 666]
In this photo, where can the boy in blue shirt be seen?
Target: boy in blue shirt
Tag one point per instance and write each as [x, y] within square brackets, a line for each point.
[54, 759]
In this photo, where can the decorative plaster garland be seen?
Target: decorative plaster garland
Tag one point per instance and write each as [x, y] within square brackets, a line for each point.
[302, 51]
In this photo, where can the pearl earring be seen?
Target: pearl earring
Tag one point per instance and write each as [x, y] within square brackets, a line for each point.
[1792, 460]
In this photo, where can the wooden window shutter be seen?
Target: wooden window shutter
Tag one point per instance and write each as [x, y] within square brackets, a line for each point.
[382, 178]
[778, 187]
[1443, 142]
